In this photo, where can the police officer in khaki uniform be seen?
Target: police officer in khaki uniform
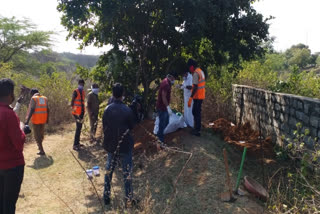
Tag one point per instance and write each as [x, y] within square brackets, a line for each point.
[38, 113]
[93, 110]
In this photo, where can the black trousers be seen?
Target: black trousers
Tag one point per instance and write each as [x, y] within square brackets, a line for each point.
[78, 130]
[196, 111]
[10, 183]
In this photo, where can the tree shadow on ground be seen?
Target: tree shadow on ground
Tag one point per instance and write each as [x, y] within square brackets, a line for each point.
[94, 204]
[117, 195]
[42, 162]
[92, 153]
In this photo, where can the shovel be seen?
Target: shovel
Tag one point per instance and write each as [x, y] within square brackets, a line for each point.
[227, 196]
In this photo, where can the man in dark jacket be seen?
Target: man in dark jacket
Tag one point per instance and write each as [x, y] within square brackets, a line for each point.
[117, 120]
[12, 140]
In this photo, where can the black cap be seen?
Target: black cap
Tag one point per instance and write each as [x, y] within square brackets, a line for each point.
[34, 91]
[192, 62]
[95, 85]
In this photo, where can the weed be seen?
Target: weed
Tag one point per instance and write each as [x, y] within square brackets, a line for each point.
[295, 188]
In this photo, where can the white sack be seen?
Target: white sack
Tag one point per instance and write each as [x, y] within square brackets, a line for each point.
[175, 122]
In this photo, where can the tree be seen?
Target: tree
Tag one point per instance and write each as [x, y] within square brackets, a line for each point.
[318, 61]
[17, 36]
[299, 55]
[156, 35]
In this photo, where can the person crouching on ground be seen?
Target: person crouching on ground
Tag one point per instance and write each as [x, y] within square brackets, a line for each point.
[12, 140]
[93, 110]
[78, 110]
[38, 112]
[163, 101]
[117, 120]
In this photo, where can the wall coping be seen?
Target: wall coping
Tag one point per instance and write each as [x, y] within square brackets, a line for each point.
[277, 93]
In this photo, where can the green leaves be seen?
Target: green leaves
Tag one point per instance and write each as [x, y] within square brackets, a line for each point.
[155, 34]
[19, 35]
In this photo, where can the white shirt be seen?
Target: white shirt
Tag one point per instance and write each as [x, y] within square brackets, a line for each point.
[187, 82]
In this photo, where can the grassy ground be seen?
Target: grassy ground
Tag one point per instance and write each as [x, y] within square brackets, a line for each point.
[56, 183]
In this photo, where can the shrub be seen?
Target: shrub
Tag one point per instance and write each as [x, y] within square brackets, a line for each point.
[258, 74]
[218, 102]
[56, 87]
[295, 188]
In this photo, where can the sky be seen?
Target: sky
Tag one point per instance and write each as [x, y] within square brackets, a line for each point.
[295, 21]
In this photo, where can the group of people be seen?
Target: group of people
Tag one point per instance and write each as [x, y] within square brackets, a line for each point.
[78, 111]
[12, 133]
[118, 119]
[194, 94]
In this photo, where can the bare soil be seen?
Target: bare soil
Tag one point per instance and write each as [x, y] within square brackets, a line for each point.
[244, 136]
[55, 183]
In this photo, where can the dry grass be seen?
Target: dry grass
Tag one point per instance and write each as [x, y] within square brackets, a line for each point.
[56, 183]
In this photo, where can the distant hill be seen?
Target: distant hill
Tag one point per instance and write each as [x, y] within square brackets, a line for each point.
[49, 61]
[87, 61]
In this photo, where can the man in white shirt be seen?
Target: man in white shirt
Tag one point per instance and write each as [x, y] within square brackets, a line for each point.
[187, 86]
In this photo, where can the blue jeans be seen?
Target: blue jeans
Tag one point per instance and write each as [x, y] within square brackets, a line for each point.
[126, 161]
[163, 122]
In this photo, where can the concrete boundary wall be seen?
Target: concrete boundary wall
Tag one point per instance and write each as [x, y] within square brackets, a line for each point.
[279, 112]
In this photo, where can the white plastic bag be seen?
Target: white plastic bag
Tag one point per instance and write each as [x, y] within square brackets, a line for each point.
[175, 122]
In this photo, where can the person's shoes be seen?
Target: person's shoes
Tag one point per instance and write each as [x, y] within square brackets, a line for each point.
[106, 201]
[76, 148]
[195, 133]
[132, 203]
[41, 153]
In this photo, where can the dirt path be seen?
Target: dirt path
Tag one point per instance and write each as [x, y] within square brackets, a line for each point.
[56, 184]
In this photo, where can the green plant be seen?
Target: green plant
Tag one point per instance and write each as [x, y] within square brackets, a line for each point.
[295, 188]
[56, 87]
[258, 74]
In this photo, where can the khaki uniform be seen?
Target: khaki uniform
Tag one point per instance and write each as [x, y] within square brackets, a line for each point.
[38, 129]
[93, 110]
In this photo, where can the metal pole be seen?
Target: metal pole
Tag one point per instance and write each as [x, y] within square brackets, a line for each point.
[261, 149]
[241, 167]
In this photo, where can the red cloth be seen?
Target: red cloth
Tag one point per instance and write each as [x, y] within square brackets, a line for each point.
[11, 139]
[165, 85]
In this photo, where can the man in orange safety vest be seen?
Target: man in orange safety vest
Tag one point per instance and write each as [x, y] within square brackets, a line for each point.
[38, 112]
[78, 110]
[197, 94]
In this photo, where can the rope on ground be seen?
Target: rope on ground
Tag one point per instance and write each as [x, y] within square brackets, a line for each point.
[116, 158]
[170, 149]
[156, 142]
[55, 193]
[84, 194]
[94, 187]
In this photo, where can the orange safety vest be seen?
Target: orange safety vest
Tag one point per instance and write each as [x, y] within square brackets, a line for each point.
[201, 91]
[40, 114]
[78, 105]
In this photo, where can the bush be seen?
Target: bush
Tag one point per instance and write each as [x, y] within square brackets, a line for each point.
[303, 83]
[258, 74]
[295, 188]
[56, 87]
[218, 102]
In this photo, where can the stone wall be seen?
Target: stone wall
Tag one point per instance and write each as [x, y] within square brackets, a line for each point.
[279, 112]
